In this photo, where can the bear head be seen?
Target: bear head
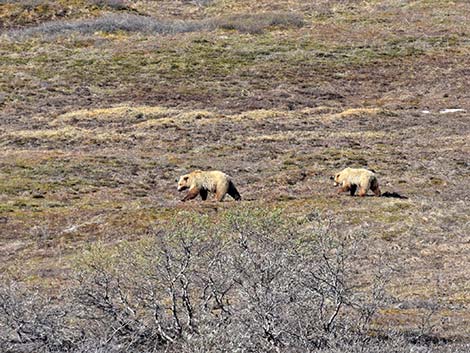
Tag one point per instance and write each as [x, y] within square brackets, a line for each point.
[336, 179]
[184, 182]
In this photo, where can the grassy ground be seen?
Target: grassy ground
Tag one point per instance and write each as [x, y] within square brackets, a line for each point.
[97, 122]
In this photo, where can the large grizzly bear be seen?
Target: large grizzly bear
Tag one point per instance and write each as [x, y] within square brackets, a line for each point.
[202, 182]
[352, 178]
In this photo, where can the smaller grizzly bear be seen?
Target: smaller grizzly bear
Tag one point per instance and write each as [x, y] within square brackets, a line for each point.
[202, 182]
[352, 178]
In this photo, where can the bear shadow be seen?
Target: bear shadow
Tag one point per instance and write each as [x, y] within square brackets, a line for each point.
[395, 195]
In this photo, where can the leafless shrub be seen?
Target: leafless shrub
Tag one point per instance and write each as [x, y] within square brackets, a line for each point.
[110, 23]
[31, 323]
[25, 3]
[145, 24]
[251, 282]
[259, 285]
[201, 3]
[113, 4]
[257, 23]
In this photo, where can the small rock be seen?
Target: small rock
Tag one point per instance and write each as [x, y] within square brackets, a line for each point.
[447, 111]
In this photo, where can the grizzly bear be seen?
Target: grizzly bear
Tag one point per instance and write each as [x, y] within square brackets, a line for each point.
[202, 182]
[352, 178]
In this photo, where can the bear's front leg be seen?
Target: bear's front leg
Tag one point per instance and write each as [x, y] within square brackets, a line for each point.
[352, 190]
[191, 194]
[343, 188]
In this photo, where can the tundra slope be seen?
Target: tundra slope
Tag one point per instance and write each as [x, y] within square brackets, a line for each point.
[90, 147]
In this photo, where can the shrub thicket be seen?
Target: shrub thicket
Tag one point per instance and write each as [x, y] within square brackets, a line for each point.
[254, 23]
[251, 281]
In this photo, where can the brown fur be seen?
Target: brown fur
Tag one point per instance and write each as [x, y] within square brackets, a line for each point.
[352, 178]
[204, 182]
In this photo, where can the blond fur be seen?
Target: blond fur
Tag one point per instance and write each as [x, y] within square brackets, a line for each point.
[352, 178]
[202, 182]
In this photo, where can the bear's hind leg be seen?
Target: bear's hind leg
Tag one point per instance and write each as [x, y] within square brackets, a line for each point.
[219, 196]
[375, 188]
[362, 192]
[377, 191]
[220, 190]
[232, 191]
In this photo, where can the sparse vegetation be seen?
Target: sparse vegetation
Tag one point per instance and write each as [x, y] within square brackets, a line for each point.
[104, 103]
[249, 281]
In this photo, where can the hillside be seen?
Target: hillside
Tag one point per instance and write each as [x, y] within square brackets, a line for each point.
[103, 103]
